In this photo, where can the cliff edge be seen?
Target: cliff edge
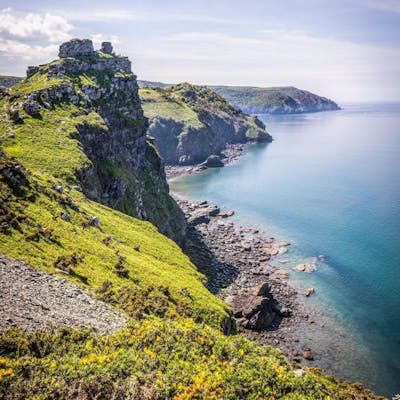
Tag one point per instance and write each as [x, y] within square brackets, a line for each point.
[191, 123]
[90, 99]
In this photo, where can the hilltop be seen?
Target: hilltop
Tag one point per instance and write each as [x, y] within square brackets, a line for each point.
[84, 198]
[273, 100]
[191, 123]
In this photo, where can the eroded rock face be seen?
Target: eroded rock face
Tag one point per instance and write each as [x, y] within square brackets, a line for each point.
[219, 124]
[76, 47]
[126, 172]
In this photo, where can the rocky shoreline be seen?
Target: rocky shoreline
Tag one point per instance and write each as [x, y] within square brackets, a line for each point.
[229, 155]
[237, 263]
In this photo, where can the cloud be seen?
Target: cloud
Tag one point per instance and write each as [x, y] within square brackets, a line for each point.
[31, 36]
[13, 49]
[272, 57]
[33, 26]
[98, 15]
[98, 38]
[123, 15]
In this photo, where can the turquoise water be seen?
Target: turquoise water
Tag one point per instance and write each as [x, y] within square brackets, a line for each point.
[330, 184]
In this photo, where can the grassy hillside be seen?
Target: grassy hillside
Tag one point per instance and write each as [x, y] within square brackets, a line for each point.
[261, 100]
[191, 122]
[123, 253]
[167, 104]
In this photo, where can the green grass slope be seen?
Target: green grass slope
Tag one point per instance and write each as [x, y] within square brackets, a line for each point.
[167, 104]
[189, 122]
[123, 253]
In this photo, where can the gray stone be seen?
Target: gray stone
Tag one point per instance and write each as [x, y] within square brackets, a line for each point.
[32, 69]
[199, 217]
[31, 106]
[15, 115]
[106, 48]
[307, 354]
[65, 216]
[35, 300]
[76, 48]
[95, 221]
[214, 161]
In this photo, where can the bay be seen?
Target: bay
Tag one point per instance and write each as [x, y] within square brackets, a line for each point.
[330, 183]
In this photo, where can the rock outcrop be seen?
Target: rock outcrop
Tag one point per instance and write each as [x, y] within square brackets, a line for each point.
[124, 170]
[190, 123]
[76, 48]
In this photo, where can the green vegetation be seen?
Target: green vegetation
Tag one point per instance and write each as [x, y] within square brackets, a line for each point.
[38, 235]
[166, 104]
[189, 122]
[261, 100]
[274, 100]
[36, 82]
[173, 346]
[156, 359]
[47, 144]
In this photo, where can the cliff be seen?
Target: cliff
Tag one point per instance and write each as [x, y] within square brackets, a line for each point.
[72, 152]
[190, 123]
[8, 81]
[274, 100]
[79, 119]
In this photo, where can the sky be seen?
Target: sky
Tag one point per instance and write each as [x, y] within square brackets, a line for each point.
[347, 50]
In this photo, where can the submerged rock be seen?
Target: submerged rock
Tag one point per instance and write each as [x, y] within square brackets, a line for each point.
[305, 267]
[307, 354]
[214, 161]
[309, 291]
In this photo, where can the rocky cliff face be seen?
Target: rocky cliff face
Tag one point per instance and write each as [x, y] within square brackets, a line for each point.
[190, 123]
[8, 81]
[97, 90]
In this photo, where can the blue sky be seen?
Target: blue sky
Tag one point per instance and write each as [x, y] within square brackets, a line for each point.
[348, 50]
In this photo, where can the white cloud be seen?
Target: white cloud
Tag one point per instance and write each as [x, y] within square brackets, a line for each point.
[33, 26]
[31, 36]
[153, 16]
[273, 57]
[13, 49]
[98, 38]
[96, 15]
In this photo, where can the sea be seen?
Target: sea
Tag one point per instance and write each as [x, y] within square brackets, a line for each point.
[330, 184]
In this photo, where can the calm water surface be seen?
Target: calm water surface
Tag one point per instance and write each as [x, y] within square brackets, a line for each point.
[330, 183]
